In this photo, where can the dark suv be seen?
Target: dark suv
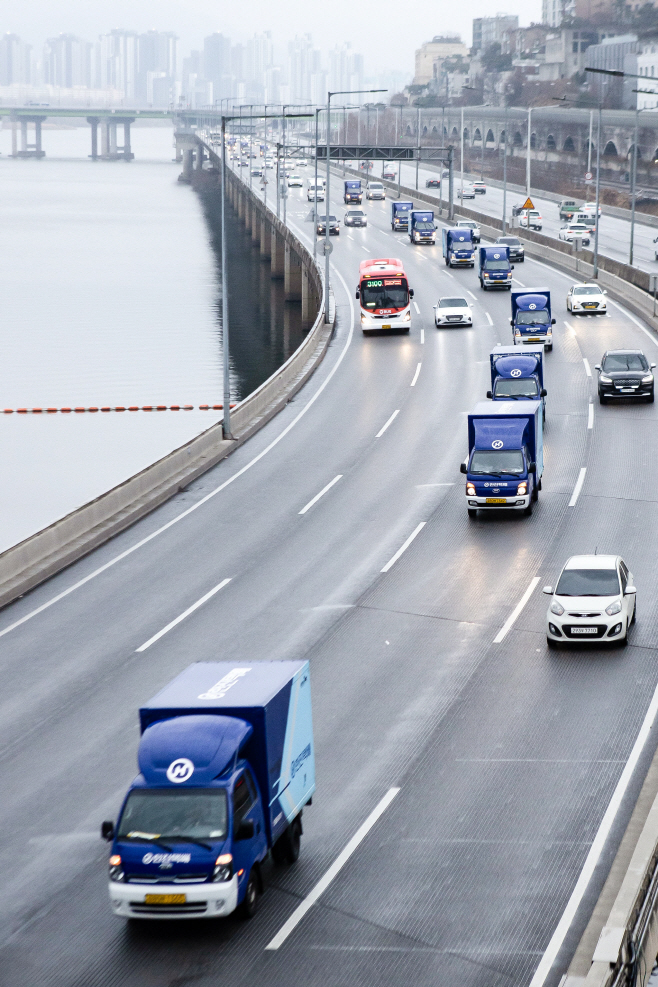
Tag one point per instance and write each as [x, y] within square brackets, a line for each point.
[334, 226]
[516, 249]
[625, 374]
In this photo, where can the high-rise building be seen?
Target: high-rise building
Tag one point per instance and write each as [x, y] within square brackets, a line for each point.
[345, 69]
[304, 65]
[491, 30]
[156, 56]
[217, 64]
[67, 61]
[117, 62]
[15, 61]
[259, 58]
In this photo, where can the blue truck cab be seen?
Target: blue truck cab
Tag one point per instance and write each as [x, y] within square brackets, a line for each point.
[422, 228]
[531, 320]
[226, 766]
[400, 212]
[495, 267]
[505, 456]
[518, 376]
[458, 247]
[353, 190]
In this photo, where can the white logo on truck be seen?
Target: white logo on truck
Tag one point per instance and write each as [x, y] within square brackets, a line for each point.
[180, 770]
[219, 689]
[532, 306]
[515, 373]
[497, 444]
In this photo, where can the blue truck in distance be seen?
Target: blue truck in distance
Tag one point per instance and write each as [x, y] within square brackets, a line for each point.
[495, 267]
[518, 376]
[531, 320]
[400, 212]
[353, 190]
[422, 228]
[505, 456]
[458, 247]
[227, 764]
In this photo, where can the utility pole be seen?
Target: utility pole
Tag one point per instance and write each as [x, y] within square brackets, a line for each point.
[527, 163]
[418, 142]
[505, 172]
[598, 189]
[461, 194]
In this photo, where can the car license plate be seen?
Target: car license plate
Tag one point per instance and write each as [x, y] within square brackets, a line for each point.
[626, 390]
[533, 339]
[496, 500]
[165, 899]
[387, 326]
[584, 630]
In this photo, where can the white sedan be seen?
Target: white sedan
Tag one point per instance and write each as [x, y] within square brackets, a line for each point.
[294, 181]
[594, 600]
[586, 298]
[573, 230]
[467, 192]
[452, 311]
[590, 207]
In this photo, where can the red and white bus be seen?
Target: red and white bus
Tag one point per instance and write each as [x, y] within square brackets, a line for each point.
[384, 295]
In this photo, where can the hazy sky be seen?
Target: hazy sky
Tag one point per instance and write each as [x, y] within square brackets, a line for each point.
[387, 33]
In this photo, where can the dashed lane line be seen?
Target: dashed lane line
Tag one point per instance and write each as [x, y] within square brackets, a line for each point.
[315, 499]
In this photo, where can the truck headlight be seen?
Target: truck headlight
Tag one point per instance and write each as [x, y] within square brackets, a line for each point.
[470, 490]
[116, 869]
[223, 870]
[522, 489]
[557, 608]
[613, 608]
[485, 275]
[648, 379]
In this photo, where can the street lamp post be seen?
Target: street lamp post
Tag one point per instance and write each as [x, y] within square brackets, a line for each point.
[598, 191]
[461, 193]
[418, 143]
[527, 162]
[226, 424]
[505, 171]
[318, 111]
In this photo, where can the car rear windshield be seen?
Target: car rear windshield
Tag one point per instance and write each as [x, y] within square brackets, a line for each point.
[453, 303]
[509, 388]
[591, 290]
[624, 361]
[162, 814]
[588, 582]
[492, 461]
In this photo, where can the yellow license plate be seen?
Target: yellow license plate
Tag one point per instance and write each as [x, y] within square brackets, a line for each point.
[387, 327]
[534, 339]
[165, 899]
[496, 500]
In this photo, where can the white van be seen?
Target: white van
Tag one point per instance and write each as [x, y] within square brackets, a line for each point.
[375, 190]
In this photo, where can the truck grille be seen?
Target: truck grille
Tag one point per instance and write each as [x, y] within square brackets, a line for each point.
[157, 879]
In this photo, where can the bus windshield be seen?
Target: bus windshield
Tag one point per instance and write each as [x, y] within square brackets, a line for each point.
[384, 293]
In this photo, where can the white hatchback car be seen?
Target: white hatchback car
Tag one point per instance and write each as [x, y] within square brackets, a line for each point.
[573, 231]
[594, 600]
[586, 298]
[452, 311]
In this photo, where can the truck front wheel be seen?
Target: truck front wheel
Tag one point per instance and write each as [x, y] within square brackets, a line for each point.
[472, 511]
[249, 905]
[286, 849]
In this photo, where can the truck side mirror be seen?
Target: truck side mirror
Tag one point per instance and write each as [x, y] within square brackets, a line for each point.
[511, 267]
[107, 831]
[543, 392]
[489, 394]
[245, 830]
[511, 322]
[411, 292]
[358, 293]
[552, 322]
[532, 467]
[463, 468]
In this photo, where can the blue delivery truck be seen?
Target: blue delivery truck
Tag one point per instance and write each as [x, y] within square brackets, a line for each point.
[531, 320]
[353, 191]
[505, 456]
[495, 267]
[518, 376]
[458, 247]
[226, 766]
[421, 226]
[400, 212]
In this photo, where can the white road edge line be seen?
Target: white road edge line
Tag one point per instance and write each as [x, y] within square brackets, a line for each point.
[636, 321]
[186, 613]
[504, 630]
[588, 370]
[520, 283]
[416, 307]
[472, 295]
[563, 926]
[391, 419]
[590, 416]
[333, 872]
[422, 337]
[579, 485]
[321, 494]
[403, 548]
[413, 383]
[208, 496]
[489, 318]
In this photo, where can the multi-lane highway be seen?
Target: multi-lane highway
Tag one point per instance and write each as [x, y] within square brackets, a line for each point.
[505, 755]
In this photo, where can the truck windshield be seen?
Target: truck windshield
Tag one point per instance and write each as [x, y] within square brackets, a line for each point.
[386, 293]
[496, 265]
[588, 582]
[189, 814]
[523, 388]
[492, 461]
[423, 224]
[537, 318]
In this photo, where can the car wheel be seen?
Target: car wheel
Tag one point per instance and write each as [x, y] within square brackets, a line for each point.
[634, 612]
[535, 494]
[528, 510]
[602, 399]
[650, 398]
[552, 645]
[249, 906]
[472, 511]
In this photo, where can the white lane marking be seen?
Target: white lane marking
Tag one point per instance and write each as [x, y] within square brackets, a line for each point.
[596, 849]
[504, 630]
[416, 307]
[422, 337]
[366, 249]
[472, 295]
[489, 318]
[519, 282]
[579, 486]
[186, 613]
[625, 312]
[349, 237]
[571, 329]
[449, 274]
[419, 485]
[321, 494]
[404, 547]
[208, 496]
[590, 416]
[391, 419]
[333, 871]
[588, 370]
[413, 383]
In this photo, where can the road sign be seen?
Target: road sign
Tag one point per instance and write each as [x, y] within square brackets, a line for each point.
[327, 248]
[588, 176]
[528, 204]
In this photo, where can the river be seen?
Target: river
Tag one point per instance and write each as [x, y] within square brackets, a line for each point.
[111, 296]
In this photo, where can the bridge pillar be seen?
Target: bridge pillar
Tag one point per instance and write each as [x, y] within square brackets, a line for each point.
[14, 138]
[188, 165]
[93, 122]
[241, 205]
[127, 153]
[307, 297]
[256, 223]
[105, 138]
[277, 254]
[265, 238]
[28, 150]
[248, 209]
[199, 157]
[37, 138]
[292, 275]
[112, 138]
